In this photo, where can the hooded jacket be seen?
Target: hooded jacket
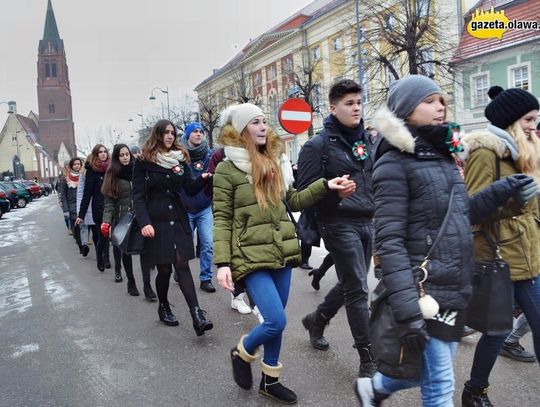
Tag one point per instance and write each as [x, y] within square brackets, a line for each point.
[247, 237]
[518, 227]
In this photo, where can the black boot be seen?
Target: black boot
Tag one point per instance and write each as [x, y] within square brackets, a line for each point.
[368, 367]
[132, 288]
[317, 276]
[271, 387]
[315, 324]
[241, 365]
[475, 396]
[148, 292]
[84, 250]
[100, 265]
[118, 276]
[200, 323]
[165, 314]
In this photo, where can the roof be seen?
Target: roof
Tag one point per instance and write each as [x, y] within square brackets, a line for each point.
[298, 20]
[525, 10]
[28, 124]
[50, 32]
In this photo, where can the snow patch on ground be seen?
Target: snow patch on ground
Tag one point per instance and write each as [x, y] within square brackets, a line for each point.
[16, 294]
[21, 350]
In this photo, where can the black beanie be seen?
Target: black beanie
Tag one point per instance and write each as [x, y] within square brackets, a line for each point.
[508, 106]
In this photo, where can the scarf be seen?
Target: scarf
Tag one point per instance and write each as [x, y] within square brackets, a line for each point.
[196, 153]
[434, 136]
[126, 171]
[350, 134]
[102, 166]
[170, 159]
[72, 179]
[507, 139]
[240, 158]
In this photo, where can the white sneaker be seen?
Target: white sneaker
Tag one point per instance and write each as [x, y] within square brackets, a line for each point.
[239, 304]
[258, 314]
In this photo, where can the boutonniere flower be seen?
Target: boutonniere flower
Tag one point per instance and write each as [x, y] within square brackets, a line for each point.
[199, 165]
[359, 150]
[453, 138]
[178, 169]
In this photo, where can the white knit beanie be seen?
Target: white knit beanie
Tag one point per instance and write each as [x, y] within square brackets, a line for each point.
[240, 115]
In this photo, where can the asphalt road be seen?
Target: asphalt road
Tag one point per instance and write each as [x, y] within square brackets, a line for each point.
[70, 336]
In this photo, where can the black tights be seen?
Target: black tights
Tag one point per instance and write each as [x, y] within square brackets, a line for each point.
[185, 280]
[126, 260]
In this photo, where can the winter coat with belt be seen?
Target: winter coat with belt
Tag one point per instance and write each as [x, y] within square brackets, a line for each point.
[518, 227]
[247, 237]
[92, 193]
[116, 208]
[156, 202]
[330, 154]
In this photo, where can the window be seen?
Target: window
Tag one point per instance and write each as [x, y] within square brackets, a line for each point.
[47, 70]
[51, 108]
[257, 78]
[271, 72]
[273, 107]
[317, 98]
[54, 70]
[316, 53]
[479, 89]
[336, 44]
[366, 92]
[519, 77]
[426, 65]
[287, 66]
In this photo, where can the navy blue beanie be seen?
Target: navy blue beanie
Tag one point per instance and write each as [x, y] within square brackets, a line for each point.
[191, 127]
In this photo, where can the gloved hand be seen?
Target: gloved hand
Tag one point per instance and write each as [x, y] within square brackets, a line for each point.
[415, 337]
[516, 181]
[526, 193]
[105, 229]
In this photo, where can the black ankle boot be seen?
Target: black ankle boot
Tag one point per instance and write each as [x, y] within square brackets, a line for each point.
[132, 288]
[107, 263]
[100, 265]
[165, 314]
[368, 367]
[317, 276]
[200, 323]
[118, 276]
[271, 386]
[315, 324]
[475, 396]
[84, 250]
[241, 365]
[148, 292]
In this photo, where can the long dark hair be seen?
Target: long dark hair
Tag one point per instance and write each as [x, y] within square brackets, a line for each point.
[93, 158]
[110, 181]
[154, 143]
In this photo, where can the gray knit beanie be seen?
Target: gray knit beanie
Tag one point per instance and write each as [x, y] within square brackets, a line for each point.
[408, 92]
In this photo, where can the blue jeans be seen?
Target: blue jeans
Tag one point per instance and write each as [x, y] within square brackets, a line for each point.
[436, 380]
[527, 296]
[203, 221]
[270, 291]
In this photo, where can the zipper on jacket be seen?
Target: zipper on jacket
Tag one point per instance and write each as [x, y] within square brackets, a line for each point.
[401, 352]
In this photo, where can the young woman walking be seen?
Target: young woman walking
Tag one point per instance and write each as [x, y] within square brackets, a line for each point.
[161, 173]
[255, 244]
[68, 198]
[95, 167]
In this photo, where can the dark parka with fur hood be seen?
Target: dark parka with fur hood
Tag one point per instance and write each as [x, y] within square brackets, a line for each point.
[247, 237]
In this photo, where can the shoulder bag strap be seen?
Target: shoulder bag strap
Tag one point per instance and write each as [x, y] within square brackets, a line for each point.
[443, 226]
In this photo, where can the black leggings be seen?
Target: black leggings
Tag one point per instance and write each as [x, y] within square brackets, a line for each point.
[185, 280]
[99, 242]
[125, 259]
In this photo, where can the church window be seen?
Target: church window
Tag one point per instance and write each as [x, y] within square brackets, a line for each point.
[51, 108]
[47, 70]
[54, 70]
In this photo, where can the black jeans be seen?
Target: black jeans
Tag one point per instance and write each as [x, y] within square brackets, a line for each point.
[350, 244]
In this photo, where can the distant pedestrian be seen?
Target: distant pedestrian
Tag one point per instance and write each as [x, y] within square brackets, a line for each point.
[68, 197]
[159, 175]
[88, 224]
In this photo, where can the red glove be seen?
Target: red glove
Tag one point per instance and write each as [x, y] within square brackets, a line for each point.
[105, 229]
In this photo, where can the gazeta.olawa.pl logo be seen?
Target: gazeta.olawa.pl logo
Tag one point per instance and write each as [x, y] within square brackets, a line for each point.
[493, 24]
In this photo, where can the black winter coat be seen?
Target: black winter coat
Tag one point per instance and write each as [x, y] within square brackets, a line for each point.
[68, 198]
[329, 154]
[92, 192]
[156, 202]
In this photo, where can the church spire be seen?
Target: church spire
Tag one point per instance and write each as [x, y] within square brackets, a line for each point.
[50, 32]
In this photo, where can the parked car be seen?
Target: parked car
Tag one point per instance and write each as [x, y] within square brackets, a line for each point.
[35, 190]
[23, 194]
[5, 206]
[11, 194]
[46, 188]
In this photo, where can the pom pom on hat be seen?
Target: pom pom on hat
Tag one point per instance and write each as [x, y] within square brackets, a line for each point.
[240, 115]
[508, 106]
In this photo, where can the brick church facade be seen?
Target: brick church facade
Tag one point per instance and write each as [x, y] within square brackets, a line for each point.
[54, 93]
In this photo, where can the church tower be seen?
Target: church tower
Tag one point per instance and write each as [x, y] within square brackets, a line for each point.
[54, 94]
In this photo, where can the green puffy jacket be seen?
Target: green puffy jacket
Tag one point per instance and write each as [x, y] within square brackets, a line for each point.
[518, 227]
[116, 208]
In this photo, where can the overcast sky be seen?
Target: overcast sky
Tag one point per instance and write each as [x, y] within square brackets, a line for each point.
[118, 50]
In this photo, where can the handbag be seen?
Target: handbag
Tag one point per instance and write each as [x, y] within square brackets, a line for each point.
[490, 308]
[385, 333]
[306, 228]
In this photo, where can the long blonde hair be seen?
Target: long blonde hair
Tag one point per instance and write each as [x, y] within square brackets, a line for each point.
[529, 150]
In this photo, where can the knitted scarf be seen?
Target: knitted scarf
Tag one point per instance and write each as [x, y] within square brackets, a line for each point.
[170, 159]
[72, 179]
[199, 152]
[507, 139]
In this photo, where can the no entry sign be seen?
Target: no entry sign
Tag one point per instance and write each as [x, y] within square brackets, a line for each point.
[295, 116]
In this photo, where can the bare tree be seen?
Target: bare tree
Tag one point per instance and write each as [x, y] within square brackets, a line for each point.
[242, 86]
[209, 113]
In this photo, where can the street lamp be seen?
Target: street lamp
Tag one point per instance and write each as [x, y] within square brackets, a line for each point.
[152, 97]
[138, 114]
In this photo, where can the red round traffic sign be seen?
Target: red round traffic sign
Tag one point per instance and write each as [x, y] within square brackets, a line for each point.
[295, 116]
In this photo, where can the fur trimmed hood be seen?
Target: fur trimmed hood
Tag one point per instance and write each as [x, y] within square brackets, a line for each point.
[393, 130]
[483, 139]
